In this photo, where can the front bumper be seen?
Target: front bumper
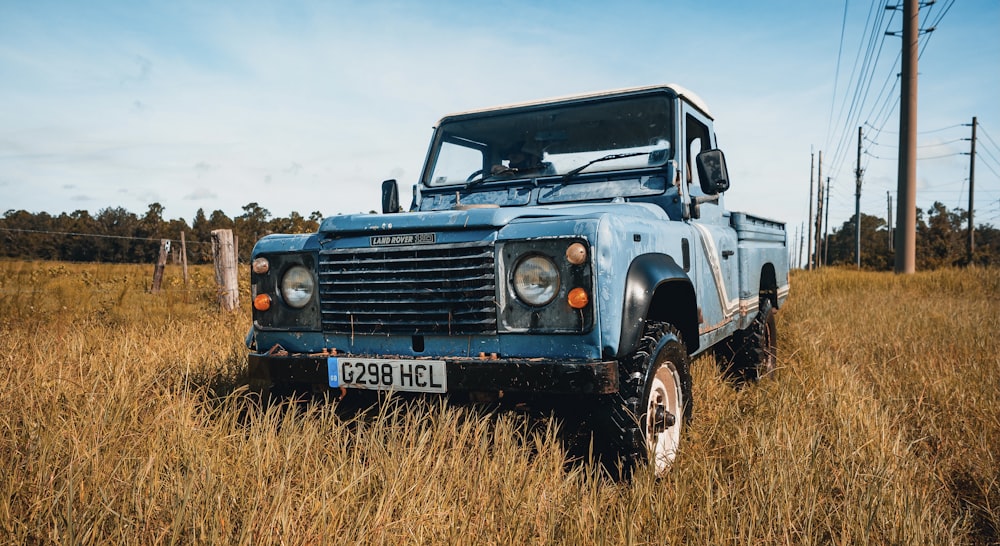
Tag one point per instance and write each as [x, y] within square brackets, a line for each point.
[526, 376]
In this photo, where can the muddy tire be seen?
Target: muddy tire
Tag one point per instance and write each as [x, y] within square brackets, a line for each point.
[752, 353]
[643, 422]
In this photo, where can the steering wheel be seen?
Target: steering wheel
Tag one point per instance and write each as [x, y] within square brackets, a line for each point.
[474, 175]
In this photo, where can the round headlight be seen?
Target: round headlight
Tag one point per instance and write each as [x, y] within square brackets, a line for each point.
[536, 280]
[297, 286]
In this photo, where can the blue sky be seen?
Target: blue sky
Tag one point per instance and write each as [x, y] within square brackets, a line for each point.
[304, 106]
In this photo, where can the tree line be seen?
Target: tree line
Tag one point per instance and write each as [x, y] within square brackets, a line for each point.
[942, 241]
[116, 235]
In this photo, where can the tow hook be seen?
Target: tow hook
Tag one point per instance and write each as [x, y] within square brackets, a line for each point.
[662, 419]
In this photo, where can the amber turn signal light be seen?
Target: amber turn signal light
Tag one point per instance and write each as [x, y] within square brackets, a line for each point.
[578, 298]
[576, 253]
[262, 302]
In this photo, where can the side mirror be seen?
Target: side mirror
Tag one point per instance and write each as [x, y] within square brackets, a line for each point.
[712, 172]
[390, 196]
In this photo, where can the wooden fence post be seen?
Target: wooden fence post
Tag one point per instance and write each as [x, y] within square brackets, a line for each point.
[184, 259]
[161, 263]
[224, 256]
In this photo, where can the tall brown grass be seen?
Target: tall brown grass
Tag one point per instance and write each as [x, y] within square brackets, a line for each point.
[123, 420]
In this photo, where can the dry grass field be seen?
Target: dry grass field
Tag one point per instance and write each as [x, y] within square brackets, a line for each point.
[123, 420]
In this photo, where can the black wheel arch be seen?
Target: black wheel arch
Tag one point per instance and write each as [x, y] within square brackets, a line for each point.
[769, 284]
[657, 289]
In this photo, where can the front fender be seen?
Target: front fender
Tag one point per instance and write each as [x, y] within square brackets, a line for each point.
[644, 300]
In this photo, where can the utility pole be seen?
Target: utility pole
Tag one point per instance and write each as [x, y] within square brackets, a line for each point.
[819, 210]
[812, 166]
[972, 185]
[826, 223]
[888, 217]
[802, 235]
[857, 206]
[906, 212]
[791, 249]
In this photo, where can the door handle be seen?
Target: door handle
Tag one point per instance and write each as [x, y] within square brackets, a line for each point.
[727, 253]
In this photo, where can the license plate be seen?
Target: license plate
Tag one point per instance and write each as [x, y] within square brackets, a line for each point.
[387, 374]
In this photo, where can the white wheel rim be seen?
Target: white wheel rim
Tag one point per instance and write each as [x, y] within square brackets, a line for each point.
[662, 445]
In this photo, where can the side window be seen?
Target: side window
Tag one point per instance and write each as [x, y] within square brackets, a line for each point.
[696, 140]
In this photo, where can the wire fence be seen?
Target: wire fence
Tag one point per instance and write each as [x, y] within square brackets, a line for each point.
[102, 236]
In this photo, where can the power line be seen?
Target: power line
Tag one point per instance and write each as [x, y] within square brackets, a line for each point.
[899, 55]
[942, 156]
[836, 73]
[942, 129]
[941, 143]
[930, 145]
[920, 54]
[953, 154]
[881, 111]
[863, 82]
[983, 153]
[987, 165]
[891, 100]
[839, 155]
[940, 17]
[988, 137]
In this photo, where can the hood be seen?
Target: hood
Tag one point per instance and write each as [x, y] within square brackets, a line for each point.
[479, 218]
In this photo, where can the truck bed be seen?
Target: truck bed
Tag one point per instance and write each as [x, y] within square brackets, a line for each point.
[755, 228]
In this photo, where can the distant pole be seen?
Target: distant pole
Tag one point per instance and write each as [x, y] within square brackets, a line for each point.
[972, 185]
[802, 235]
[906, 212]
[161, 264]
[184, 259]
[857, 205]
[224, 253]
[819, 209]
[792, 249]
[888, 217]
[826, 223]
[812, 167]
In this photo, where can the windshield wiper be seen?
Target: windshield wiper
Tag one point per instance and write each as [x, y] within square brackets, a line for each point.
[475, 182]
[580, 169]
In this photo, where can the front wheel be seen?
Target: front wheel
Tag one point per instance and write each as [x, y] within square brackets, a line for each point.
[644, 421]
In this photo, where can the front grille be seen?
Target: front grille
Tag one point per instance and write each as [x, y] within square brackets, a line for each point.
[415, 290]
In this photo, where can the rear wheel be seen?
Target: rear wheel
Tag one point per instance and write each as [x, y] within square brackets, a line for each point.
[765, 341]
[752, 353]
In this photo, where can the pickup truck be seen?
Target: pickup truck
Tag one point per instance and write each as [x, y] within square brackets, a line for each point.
[572, 253]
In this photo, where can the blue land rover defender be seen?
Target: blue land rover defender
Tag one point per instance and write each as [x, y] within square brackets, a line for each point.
[576, 250]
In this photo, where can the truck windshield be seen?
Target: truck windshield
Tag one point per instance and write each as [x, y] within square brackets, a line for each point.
[552, 140]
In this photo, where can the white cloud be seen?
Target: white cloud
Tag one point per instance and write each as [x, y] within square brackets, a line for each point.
[200, 194]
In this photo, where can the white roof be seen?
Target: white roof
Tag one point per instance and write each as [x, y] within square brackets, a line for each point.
[677, 89]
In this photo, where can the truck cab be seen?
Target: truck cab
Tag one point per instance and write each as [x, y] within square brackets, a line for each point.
[576, 248]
